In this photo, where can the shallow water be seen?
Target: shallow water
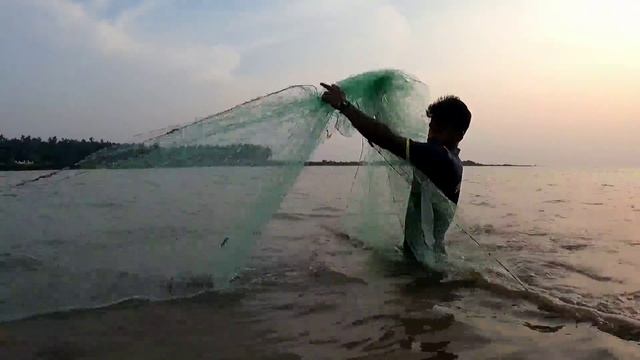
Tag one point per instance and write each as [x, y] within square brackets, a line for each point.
[310, 290]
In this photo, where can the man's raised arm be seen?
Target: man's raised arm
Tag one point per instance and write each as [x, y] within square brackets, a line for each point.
[374, 131]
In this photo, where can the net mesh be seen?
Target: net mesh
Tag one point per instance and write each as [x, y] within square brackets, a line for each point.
[181, 211]
[279, 132]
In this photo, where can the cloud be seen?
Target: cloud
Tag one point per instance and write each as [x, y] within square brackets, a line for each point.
[76, 24]
[116, 67]
[311, 41]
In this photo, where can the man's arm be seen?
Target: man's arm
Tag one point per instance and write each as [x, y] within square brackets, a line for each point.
[374, 131]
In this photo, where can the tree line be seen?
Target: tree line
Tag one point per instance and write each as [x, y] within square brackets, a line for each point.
[139, 156]
[34, 153]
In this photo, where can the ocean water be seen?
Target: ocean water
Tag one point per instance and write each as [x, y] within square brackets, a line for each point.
[101, 239]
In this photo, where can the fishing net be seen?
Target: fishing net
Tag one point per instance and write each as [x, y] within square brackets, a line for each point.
[233, 169]
[278, 133]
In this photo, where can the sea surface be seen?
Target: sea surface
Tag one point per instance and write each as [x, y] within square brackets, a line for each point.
[115, 264]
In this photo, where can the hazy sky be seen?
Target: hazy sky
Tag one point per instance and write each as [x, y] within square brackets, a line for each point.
[549, 82]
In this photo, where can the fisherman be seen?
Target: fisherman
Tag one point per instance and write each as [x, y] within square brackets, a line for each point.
[430, 210]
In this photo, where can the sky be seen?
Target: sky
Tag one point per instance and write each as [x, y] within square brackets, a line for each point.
[549, 82]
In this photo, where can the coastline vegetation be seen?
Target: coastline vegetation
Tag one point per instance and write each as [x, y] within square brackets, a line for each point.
[34, 153]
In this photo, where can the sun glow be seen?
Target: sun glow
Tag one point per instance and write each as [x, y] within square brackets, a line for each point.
[612, 26]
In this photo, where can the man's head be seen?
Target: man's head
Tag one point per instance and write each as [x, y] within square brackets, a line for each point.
[450, 119]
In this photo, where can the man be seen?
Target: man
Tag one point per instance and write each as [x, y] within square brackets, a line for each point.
[428, 216]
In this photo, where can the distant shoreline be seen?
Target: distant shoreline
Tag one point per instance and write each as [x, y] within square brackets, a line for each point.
[47, 167]
[360, 163]
[473, 163]
[34, 154]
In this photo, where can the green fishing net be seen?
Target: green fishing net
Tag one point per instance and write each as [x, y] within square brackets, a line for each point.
[278, 133]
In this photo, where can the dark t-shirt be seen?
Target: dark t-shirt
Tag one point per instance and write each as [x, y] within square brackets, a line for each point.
[442, 166]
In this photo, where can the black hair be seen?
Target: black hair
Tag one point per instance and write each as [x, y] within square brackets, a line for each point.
[449, 112]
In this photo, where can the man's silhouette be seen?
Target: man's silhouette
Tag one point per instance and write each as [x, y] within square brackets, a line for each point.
[428, 217]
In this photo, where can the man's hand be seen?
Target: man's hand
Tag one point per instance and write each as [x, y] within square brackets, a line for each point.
[372, 130]
[334, 96]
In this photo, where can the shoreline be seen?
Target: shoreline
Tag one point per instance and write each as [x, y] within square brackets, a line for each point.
[465, 163]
